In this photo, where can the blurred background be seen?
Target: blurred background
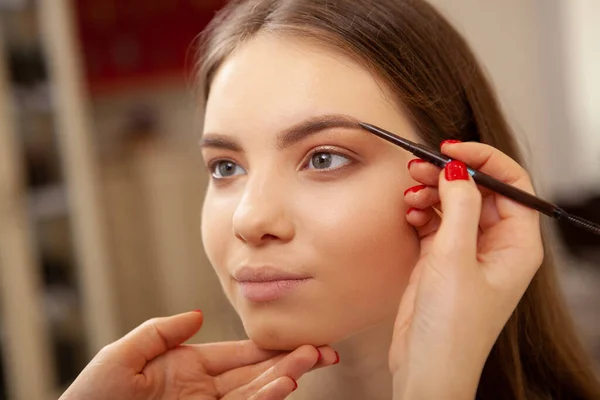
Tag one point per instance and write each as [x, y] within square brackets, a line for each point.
[101, 183]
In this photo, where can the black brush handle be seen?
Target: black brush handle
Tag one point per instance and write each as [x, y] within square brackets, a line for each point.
[514, 193]
[438, 159]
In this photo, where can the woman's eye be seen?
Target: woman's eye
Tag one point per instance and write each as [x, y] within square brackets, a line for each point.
[226, 169]
[327, 160]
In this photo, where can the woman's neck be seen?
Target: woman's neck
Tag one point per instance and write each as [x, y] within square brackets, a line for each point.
[362, 373]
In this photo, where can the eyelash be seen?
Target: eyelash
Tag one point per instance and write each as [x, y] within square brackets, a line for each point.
[211, 165]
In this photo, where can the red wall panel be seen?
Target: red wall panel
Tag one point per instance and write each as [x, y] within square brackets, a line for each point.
[125, 42]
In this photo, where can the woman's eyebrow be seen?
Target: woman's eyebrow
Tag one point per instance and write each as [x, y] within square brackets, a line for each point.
[314, 125]
[217, 141]
[288, 137]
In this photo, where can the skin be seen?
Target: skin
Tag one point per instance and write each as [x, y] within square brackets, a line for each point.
[343, 227]
[152, 363]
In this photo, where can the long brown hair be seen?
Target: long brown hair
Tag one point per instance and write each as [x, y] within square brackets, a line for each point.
[426, 63]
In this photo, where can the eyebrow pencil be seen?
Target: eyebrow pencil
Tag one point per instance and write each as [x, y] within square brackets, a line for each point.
[438, 159]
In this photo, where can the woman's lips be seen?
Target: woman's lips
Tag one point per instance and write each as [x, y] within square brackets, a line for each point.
[270, 290]
[266, 283]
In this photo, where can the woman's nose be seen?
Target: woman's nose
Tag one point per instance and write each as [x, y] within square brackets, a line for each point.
[261, 216]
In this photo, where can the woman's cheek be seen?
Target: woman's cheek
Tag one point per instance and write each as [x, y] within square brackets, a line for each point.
[361, 227]
[216, 233]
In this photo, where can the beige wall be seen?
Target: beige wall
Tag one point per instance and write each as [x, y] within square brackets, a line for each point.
[544, 58]
[582, 61]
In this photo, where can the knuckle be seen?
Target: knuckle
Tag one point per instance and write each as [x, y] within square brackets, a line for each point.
[275, 370]
[151, 327]
[538, 255]
[151, 322]
[312, 352]
[147, 325]
[308, 353]
[510, 171]
[429, 196]
[107, 350]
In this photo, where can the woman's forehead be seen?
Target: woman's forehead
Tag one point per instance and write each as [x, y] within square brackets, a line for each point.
[272, 81]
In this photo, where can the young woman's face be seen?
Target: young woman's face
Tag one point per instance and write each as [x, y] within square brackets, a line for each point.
[304, 219]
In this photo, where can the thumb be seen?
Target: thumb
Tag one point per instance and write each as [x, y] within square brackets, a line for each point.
[154, 338]
[461, 207]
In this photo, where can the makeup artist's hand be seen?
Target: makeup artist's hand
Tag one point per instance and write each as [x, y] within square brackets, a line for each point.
[477, 259]
[150, 363]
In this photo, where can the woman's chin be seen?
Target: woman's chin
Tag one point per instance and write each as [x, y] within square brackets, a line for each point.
[287, 338]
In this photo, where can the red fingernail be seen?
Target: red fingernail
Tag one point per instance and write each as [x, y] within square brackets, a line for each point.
[416, 160]
[414, 189]
[295, 384]
[320, 355]
[411, 210]
[456, 170]
[337, 358]
[198, 311]
[449, 141]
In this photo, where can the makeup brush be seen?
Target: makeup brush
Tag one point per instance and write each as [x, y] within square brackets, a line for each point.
[518, 195]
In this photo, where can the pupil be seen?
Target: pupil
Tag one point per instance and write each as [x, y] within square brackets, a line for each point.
[226, 168]
[322, 160]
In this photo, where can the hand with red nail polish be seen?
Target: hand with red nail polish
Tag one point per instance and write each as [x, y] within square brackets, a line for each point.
[151, 363]
[479, 252]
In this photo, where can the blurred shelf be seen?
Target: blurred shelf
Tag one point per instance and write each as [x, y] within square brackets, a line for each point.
[48, 202]
[37, 98]
[12, 5]
[47, 318]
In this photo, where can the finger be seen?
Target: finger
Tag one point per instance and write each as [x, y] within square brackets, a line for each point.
[426, 222]
[422, 196]
[235, 378]
[493, 162]
[424, 172]
[327, 357]
[155, 337]
[461, 204]
[280, 388]
[294, 365]
[225, 356]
